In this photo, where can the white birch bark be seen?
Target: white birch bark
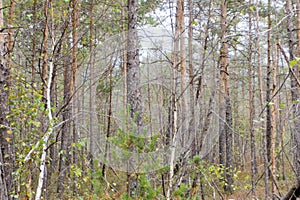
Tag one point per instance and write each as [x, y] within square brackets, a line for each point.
[46, 137]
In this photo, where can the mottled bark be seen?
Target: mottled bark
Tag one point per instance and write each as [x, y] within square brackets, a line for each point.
[225, 126]
[6, 157]
[44, 52]
[134, 96]
[274, 108]
[268, 134]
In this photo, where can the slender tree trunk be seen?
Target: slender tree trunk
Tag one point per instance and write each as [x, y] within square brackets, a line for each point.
[74, 110]
[74, 122]
[33, 43]
[269, 129]
[124, 55]
[182, 68]
[69, 88]
[251, 105]
[91, 91]
[43, 167]
[108, 118]
[65, 133]
[6, 162]
[174, 125]
[33, 72]
[296, 103]
[260, 72]
[222, 88]
[4, 193]
[274, 107]
[191, 131]
[174, 108]
[44, 52]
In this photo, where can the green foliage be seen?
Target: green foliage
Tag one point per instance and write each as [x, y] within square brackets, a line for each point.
[181, 190]
[294, 62]
[127, 140]
[26, 116]
[196, 159]
[146, 191]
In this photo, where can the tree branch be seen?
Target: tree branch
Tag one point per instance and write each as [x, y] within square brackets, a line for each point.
[293, 192]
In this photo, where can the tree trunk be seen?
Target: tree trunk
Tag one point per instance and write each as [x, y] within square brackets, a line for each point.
[44, 52]
[225, 137]
[269, 129]
[296, 103]
[91, 89]
[260, 75]
[64, 156]
[182, 68]
[191, 131]
[6, 159]
[134, 96]
[222, 88]
[69, 88]
[251, 105]
[274, 122]
[75, 25]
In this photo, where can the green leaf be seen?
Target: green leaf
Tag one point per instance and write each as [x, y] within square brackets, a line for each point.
[196, 159]
[282, 105]
[293, 62]
[194, 23]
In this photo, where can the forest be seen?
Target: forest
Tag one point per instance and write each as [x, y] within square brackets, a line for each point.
[150, 99]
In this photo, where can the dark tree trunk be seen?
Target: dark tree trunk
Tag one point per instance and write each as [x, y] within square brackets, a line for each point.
[69, 88]
[268, 135]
